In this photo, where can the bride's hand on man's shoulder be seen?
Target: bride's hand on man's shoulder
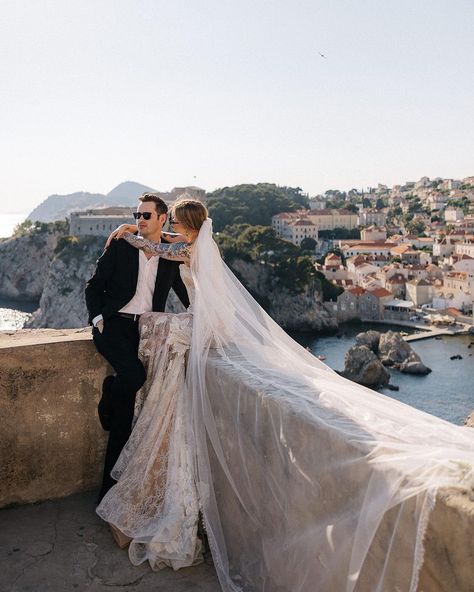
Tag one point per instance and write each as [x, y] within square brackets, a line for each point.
[118, 232]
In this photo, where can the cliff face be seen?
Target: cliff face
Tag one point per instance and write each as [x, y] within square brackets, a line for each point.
[62, 304]
[55, 269]
[295, 312]
[24, 265]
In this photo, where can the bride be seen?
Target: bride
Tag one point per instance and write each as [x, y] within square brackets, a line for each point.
[201, 444]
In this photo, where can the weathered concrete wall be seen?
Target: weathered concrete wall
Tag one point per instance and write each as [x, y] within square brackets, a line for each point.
[51, 442]
[449, 553]
[51, 445]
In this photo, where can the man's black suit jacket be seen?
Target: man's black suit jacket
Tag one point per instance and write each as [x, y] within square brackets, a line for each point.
[114, 282]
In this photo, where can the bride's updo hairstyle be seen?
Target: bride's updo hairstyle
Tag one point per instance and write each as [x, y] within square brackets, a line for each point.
[191, 213]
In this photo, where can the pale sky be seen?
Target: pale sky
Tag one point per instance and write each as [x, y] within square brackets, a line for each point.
[220, 92]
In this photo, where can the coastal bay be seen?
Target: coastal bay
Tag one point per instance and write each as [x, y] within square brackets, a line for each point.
[448, 392]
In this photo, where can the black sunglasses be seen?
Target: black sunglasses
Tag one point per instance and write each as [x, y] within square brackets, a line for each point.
[138, 215]
[172, 220]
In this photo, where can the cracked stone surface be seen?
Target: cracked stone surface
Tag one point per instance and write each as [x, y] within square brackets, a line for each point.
[63, 546]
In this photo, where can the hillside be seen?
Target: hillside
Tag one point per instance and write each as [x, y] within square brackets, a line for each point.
[57, 207]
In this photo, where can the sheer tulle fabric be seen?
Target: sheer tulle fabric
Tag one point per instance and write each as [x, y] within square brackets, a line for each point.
[155, 499]
[374, 468]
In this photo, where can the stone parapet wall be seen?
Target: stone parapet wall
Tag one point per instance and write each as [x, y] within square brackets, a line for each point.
[52, 445]
[51, 442]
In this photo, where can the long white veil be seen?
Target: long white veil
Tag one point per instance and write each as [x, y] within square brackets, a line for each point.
[370, 468]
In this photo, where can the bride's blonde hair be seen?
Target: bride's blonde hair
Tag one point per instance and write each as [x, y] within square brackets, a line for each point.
[190, 212]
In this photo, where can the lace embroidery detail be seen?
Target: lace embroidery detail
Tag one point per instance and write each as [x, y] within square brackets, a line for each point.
[155, 500]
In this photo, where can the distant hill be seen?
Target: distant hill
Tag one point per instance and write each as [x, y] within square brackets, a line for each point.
[57, 207]
[126, 194]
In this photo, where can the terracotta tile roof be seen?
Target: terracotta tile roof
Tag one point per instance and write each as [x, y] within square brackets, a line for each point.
[357, 290]
[380, 292]
[401, 249]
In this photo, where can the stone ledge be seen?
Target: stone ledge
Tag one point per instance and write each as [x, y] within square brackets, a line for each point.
[42, 336]
[53, 445]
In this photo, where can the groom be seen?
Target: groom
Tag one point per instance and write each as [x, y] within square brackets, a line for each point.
[127, 283]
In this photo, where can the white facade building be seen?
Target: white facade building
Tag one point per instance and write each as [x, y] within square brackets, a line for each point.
[453, 215]
[368, 216]
[465, 248]
[299, 229]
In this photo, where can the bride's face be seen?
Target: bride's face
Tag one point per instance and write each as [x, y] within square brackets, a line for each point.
[176, 224]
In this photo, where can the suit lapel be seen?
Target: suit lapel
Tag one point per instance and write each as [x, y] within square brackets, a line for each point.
[135, 264]
[161, 272]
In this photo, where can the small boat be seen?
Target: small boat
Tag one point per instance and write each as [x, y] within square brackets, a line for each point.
[456, 357]
[321, 358]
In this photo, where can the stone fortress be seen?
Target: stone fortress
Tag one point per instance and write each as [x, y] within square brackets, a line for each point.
[101, 221]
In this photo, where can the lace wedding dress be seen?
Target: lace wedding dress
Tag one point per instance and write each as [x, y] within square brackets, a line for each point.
[155, 500]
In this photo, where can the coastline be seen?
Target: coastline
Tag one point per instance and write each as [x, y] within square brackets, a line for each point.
[448, 392]
[15, 313]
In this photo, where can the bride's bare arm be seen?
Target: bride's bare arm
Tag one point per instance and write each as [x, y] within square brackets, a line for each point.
[174, 251]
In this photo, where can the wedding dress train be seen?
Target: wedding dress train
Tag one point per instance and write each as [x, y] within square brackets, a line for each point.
[155, 500]
[218, 430]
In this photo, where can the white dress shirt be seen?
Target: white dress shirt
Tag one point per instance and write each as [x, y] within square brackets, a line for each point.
[142, 300]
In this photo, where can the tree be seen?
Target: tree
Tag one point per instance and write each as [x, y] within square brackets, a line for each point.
[252, 204]
[351, 208]
[308, 244]
[286, 264]
[340, 233]
[416, 227]
[23, 227]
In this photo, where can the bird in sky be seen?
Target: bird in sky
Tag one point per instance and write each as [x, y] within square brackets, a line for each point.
[322, 55]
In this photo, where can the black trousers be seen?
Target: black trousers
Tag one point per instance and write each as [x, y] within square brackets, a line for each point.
[118, 344]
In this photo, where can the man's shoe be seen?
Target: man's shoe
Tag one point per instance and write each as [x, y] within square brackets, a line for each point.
[104, 408]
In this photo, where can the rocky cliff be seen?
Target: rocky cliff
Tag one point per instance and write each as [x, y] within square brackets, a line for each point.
[62, 304]
[295, 312]
[55, 268]
[24, 264]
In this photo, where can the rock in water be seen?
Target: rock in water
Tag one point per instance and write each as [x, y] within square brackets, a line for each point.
[393, 350]
[362, 366]
[414, 365]
[370, 339]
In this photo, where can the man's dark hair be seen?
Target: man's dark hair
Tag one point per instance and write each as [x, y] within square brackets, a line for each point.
[160, 205]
